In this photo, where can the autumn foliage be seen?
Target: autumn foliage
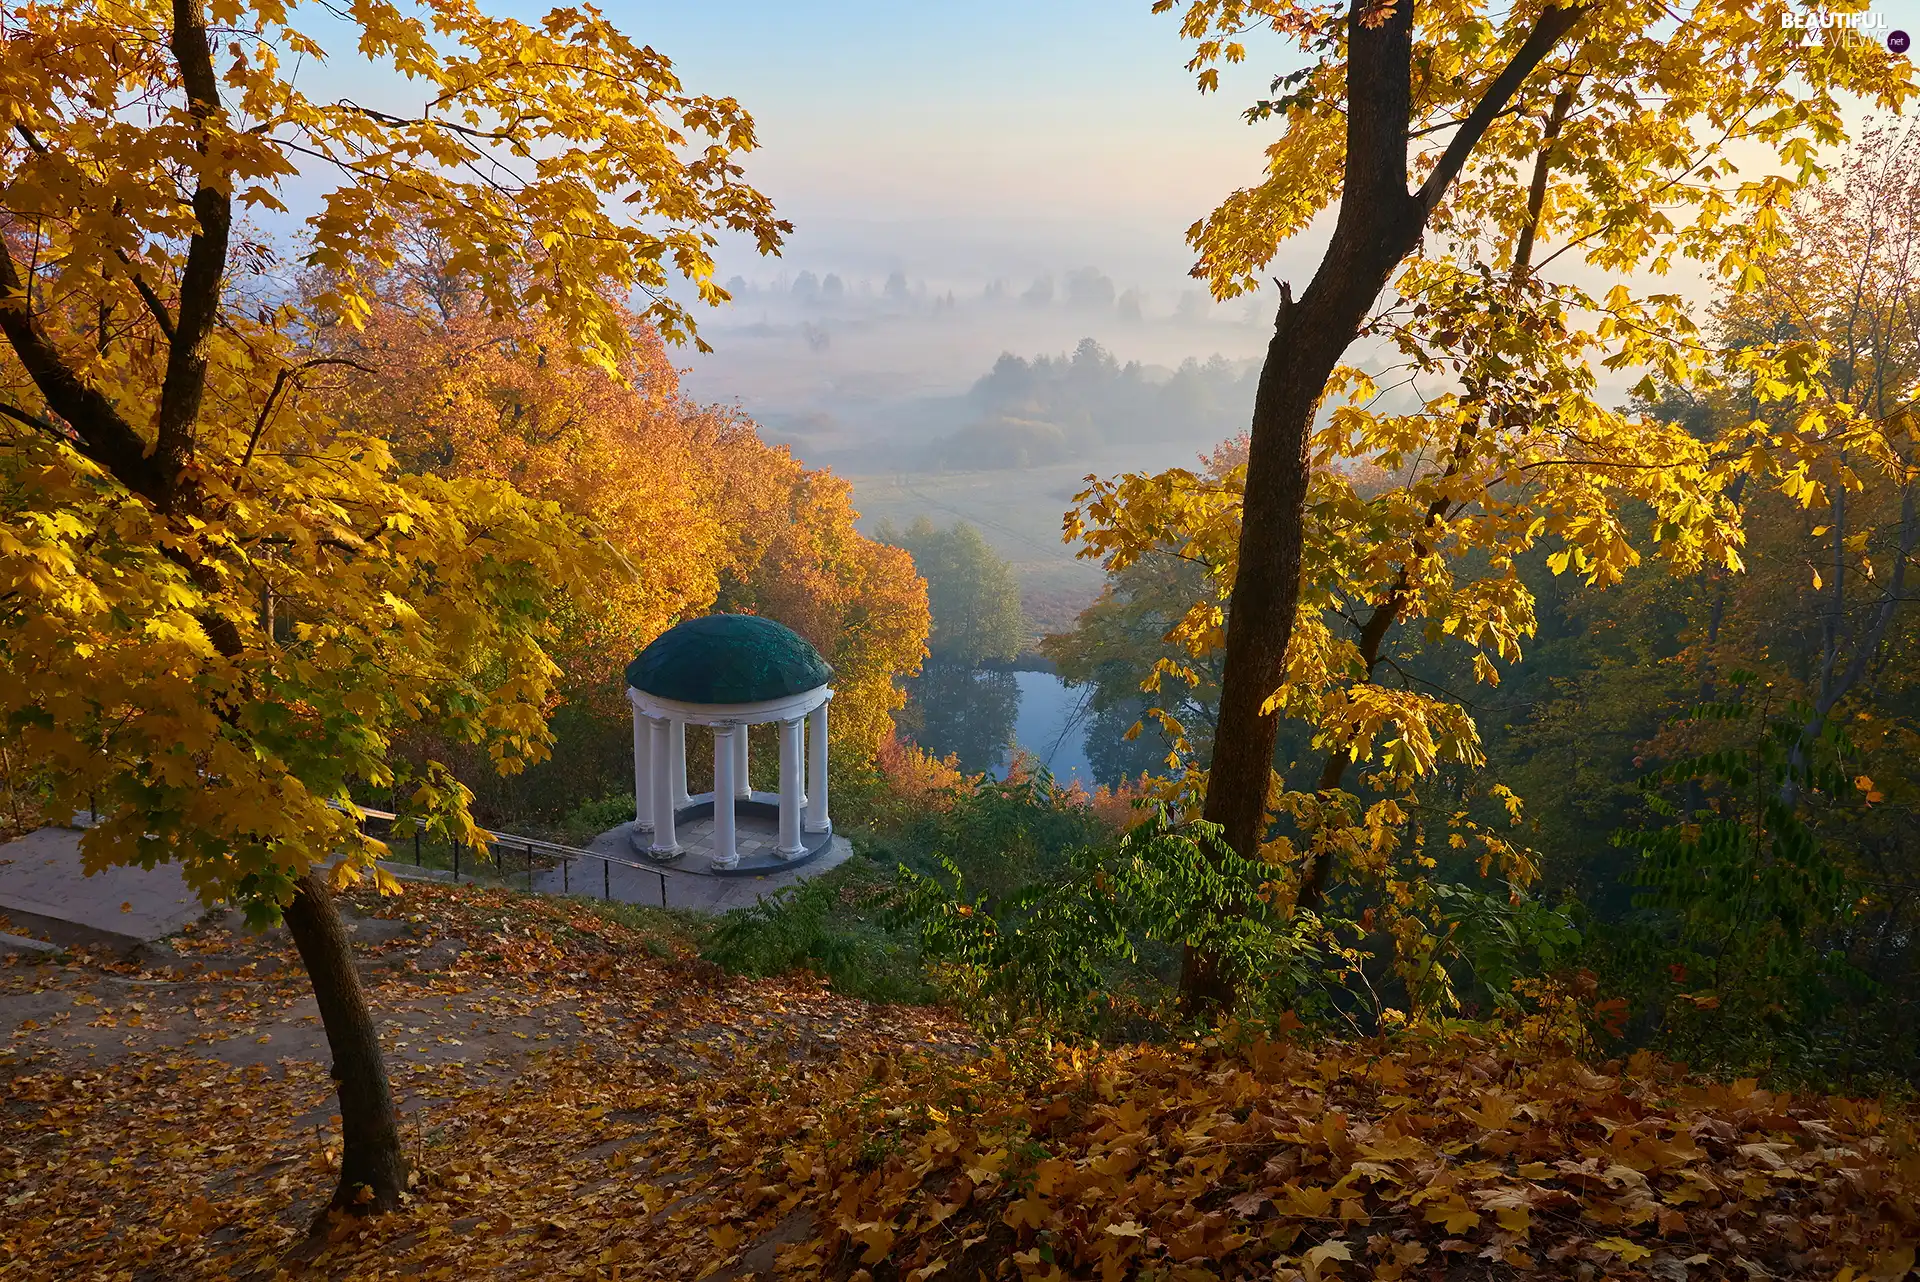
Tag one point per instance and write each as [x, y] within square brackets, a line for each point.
[276, 542]
[701, 513]
[697, 1125]
[1385, 1160]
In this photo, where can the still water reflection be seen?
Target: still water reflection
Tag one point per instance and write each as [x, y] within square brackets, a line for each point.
[980, 715]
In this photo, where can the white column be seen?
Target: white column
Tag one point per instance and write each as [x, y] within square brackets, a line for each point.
[725, 853]
[742, 765]
[817, 818]
[790, 796]
[642, 772]
[664, 842]
[677, 771]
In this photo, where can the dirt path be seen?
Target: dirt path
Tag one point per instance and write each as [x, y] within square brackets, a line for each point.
[169, 1114]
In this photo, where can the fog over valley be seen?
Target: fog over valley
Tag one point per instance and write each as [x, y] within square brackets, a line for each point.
[986, 390]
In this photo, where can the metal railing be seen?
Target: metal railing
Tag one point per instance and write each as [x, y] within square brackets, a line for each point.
[531, 848]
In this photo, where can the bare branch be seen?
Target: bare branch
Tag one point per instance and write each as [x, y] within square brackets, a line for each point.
[37, 423]
[290, 374]
[1537, 189]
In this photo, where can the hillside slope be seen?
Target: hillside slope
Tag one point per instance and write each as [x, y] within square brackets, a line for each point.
[585, 1100]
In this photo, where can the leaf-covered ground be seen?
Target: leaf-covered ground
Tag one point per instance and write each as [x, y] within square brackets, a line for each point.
[582, 1102]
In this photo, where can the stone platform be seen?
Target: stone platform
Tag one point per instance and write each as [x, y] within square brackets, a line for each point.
[44, 889]
[689, 881]
[756, 840]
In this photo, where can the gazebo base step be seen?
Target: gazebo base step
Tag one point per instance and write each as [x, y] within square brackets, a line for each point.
[756, 839]
[759, 865]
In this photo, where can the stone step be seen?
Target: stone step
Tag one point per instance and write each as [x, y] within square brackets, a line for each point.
[21, 946]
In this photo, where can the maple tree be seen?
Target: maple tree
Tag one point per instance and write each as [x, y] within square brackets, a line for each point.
[1408, 558]
[459, 392]
[1423, 552]
[223, 603]
[800, 560]
[1414, 118]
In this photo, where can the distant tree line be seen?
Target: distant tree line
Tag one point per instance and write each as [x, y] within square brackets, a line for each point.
[1086, 289]
[1050, 408]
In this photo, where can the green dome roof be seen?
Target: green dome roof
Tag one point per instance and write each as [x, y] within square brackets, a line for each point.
[728, 658]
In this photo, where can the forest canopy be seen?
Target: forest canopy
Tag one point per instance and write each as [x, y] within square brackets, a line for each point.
[1053, 408]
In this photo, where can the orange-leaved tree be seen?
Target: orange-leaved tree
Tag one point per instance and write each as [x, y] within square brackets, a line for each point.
[1418, 119]
[705, 512]
[801, 561]
[221, 603]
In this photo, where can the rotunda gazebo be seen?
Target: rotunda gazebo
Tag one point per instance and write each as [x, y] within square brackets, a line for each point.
[729, 672]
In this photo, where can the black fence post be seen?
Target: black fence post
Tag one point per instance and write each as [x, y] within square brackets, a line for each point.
[663, 888]
[529, 867]
[606, 880]
[565, 863]
[416, 845]
[456, 861]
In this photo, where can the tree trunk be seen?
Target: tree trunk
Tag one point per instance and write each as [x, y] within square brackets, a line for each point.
[1308, 340]
[373, 1170]
[1379, 224]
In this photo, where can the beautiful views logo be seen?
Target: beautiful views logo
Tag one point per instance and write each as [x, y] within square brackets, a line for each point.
[1818, 25]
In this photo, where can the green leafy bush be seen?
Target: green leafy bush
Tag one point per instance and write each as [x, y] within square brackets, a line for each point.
[1735, 953]
[1004, 834]
[589, 819]
[828, 925]
[1087, 944]
[1496, 937]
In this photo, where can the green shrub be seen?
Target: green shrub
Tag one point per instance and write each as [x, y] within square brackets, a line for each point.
[1736, 954]
[1003, 835]
[589, 819]
[1087, 945]
[828, 925]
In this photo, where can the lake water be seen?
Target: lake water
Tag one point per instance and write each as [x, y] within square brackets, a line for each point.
[981, 715]
[1051, 723]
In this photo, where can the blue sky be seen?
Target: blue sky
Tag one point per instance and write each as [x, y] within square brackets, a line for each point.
[981, 137]
[992, 137]
[1070, 109]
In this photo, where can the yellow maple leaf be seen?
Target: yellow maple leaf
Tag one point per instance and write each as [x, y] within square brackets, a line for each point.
[1331, 1250]
[1631, 1252]
[877, 1238]
[1028, 1212]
